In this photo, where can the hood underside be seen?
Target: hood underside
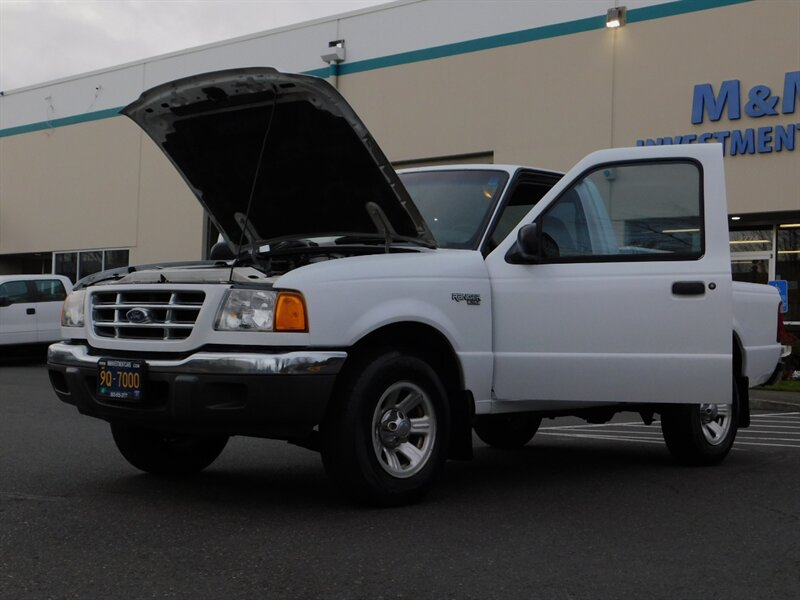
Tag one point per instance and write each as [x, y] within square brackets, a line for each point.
[291, 142]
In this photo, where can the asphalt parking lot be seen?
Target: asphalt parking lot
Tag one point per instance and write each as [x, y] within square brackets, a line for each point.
[584, 511]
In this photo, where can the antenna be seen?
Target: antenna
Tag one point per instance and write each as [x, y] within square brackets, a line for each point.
[255, 180]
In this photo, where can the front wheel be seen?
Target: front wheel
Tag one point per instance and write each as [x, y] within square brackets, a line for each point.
[385, 439]
[701, 434]
[163, 453]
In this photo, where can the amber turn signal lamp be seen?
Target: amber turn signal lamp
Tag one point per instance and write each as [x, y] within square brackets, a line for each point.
[290, 312]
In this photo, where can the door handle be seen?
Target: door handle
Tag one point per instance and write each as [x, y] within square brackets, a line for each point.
[30, 311]
[689, 288]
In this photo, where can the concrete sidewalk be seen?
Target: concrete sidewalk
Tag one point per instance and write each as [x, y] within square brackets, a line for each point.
[777, 401]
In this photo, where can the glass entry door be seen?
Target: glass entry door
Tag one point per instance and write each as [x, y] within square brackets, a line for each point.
[753, 267]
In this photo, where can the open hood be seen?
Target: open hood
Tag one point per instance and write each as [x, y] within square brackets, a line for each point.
[291, 141]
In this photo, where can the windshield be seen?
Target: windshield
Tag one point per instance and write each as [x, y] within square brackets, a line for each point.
[456, 204]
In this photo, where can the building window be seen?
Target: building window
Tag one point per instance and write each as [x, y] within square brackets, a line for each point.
[113, 259]
[751, 240]
[752, 255]
[89, 263]
[66, 263]
[77, 265]
[767, 253]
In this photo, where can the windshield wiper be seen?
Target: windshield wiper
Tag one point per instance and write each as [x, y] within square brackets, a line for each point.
[380, 239]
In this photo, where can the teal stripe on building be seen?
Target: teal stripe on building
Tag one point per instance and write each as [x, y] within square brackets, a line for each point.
[638, 15]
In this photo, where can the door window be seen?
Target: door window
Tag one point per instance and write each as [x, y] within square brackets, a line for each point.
[49, 290]
[522, 200]
[638, 211]
[15, 291]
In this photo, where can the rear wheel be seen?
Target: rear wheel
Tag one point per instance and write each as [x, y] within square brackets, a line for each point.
[163, 453]
[701, 434]
[507, 430]
[385, 439]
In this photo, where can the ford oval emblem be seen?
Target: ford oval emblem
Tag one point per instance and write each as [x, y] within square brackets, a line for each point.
[139, 316]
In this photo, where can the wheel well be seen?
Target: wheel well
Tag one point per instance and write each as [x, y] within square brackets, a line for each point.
[738, 366]
[741, 382]
[420, 339]
[431, 345]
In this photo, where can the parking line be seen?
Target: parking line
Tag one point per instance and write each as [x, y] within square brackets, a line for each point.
[738, 442]
[768, 430]
[777, 439]
[778, 414]
[761, 424]
[604, 431]
[589, 425]
[603, 437]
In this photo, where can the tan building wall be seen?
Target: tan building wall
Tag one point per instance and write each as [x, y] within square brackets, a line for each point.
[530, 103]
[657, 64]
[101, 184]
[546, 103]
[65, 186]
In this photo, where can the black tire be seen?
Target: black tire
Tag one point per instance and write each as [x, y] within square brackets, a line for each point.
[163, 453]
[385, 439]
[507, 431]
[690, 433]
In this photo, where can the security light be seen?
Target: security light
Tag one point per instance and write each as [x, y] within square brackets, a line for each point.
[616, 17]
[335, 53]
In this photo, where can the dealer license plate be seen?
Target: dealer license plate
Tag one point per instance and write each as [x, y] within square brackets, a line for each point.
[121, 379]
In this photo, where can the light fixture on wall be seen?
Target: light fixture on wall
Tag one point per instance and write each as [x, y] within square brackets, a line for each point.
[334, 57]
[616, 17]
[335, 53]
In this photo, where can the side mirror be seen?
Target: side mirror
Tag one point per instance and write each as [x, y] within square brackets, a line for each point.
[5, 301]
[526, 250]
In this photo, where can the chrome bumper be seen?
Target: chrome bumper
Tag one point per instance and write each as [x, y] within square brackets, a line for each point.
[221, 363]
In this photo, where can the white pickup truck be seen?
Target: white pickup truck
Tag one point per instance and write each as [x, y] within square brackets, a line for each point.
[30, 309]
[379, 318]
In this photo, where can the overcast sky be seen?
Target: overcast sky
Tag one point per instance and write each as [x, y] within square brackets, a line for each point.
[42, 40]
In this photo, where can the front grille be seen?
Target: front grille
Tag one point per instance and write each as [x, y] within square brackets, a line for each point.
[146, 314]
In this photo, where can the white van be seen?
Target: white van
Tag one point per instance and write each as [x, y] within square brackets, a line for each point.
[30, 308]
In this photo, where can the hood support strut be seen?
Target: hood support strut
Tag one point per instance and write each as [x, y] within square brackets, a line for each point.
[382, 224]
[255, 180]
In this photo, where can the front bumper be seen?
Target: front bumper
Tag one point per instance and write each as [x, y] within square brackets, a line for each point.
[280, 395]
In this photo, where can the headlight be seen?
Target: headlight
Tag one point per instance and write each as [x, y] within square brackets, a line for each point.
[72, 311]
[260, 310]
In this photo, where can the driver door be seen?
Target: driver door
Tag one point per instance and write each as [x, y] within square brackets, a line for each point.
[629, 296]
